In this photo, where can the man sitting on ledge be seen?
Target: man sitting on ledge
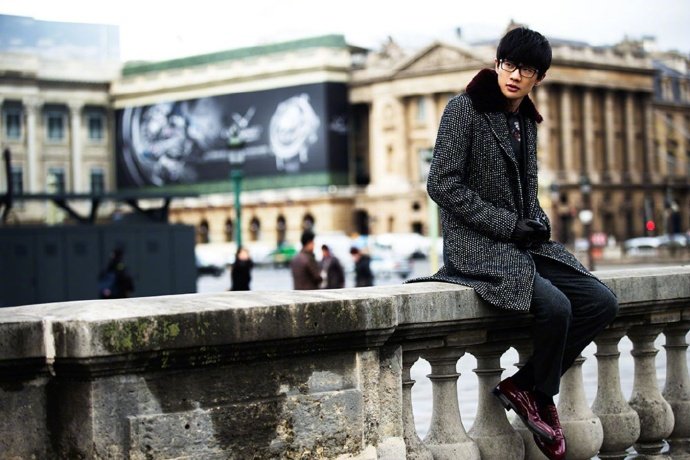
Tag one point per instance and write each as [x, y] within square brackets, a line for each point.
[497, 237]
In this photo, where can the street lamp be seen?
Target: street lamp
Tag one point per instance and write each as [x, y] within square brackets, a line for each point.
[586, 216]
[236, 161]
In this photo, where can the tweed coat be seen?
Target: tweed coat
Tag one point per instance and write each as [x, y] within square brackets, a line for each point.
[475, 180]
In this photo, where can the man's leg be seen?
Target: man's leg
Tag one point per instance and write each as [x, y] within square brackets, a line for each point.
[552, 320]
[563, 298]
[593, 306]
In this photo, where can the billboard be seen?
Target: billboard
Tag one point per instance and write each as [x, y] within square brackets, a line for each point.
[292, 131]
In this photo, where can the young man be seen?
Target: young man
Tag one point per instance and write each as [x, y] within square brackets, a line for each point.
[306, 273]
[363, 275]
[331, 270]
[497, 237]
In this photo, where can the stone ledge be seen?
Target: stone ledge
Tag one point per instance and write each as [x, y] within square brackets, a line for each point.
[86, 332]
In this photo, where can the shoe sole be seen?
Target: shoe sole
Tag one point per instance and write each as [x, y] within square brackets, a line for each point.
[505, 402]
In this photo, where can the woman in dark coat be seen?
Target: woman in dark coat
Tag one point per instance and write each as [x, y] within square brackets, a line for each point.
[241, 273]
[497, 236]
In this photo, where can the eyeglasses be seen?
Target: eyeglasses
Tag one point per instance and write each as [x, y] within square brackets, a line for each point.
[525, 71]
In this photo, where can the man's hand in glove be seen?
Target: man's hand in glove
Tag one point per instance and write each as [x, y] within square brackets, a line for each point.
[529, 231]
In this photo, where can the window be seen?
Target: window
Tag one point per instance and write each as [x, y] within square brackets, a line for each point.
[56, 180]
[55, 122]
[229, 230]
[425, 156]
[95, 125]
[97, 181]
[281, 228]
[17, 180]
[421, 109]
[13, 124]
[255, 229]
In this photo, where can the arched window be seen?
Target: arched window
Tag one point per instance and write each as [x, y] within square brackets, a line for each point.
[281, 228]
[229, 229]
[204, 231]
[255, 229]
[308, 222]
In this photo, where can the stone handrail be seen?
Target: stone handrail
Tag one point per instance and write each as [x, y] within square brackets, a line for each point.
[321, 374]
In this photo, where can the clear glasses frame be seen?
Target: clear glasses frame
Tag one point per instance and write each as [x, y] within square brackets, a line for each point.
[525, 71]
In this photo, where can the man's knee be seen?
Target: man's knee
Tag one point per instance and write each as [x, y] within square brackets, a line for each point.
[609, 306]
[555, 315]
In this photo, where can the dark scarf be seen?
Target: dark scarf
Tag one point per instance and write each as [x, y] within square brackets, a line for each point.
[486, 96]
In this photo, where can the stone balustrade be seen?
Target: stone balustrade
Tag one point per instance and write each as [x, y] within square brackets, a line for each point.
[323, 374]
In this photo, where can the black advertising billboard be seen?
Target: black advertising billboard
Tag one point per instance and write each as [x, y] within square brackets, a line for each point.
[285, 136]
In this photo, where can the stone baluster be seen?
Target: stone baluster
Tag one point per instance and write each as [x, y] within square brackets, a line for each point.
[491, 430]
[416, 450]
[447, 438]
[583, 432]
[656, 415]
[620, 422]
[677, 388]
[532, 452]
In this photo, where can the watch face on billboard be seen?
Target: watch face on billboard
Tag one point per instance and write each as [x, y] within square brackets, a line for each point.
[294, 130]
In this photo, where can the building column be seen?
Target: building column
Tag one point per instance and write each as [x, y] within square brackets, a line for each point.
[75, 109]
[588, 127]
[567, 135]
[648, 172]
[544, 132]
[32, 107]
[629, 151]
[610, 172]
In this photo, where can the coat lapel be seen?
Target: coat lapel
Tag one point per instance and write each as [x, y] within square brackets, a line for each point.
[499, 128]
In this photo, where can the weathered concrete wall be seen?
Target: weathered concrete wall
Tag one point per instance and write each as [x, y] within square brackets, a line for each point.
[246, 375]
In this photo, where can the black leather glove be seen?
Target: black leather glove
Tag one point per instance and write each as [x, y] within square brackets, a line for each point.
[529, 231]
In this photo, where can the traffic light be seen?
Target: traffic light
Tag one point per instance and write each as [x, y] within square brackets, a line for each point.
[650, 225]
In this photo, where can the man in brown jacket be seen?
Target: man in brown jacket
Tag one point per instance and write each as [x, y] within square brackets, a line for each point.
[306, 273]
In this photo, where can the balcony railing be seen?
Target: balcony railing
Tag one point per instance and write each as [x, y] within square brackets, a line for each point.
[323, 374]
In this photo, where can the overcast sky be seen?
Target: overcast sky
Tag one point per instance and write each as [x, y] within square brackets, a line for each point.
[156, 29]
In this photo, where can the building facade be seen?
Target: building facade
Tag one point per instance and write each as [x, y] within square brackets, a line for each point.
[614, 138]
[56, 119]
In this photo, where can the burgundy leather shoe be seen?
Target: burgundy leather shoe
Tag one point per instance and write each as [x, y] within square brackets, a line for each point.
[525, 406]
[556, 449]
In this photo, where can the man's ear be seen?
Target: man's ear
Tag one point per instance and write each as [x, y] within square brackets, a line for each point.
[496, 65]
[540, 79]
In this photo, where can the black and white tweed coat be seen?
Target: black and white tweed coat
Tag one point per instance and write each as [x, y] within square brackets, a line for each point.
[475, 180]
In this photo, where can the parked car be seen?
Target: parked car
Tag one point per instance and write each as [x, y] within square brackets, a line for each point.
[674, 240]
[642, 243]
[386, 264]
[206, 266]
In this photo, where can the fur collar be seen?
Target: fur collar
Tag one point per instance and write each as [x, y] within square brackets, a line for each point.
[486, 96]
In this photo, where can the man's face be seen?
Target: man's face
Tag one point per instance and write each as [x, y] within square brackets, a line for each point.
[514, 86]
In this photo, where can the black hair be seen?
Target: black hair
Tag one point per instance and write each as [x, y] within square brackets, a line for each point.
[526, 47]
[307, 237]
[325, 247]
[354, 250]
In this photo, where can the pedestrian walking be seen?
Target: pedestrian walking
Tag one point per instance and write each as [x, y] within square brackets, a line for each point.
[363, 274]
[241, 271]
[306, 273]
[115, 281]
[483, 176]
[332, 271]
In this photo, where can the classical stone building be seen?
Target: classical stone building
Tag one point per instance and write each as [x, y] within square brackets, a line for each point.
[599, 146]
[614, 139]
[56, 118]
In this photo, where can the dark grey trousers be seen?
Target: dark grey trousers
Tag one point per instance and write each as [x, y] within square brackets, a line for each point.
[569, 310]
